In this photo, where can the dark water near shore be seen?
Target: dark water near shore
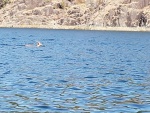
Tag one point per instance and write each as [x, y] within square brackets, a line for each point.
[75, 71]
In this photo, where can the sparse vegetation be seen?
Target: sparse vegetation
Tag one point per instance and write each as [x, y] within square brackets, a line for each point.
[3, 3]
[74, 13]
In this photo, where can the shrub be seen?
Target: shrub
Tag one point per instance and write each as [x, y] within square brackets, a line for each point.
[3, 3]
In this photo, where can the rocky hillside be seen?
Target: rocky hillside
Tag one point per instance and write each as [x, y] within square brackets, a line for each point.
[119, 13]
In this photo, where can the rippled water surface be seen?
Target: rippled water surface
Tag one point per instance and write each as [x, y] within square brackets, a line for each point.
[74, 71]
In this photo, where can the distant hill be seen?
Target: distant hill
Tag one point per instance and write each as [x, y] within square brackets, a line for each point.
[113, 13]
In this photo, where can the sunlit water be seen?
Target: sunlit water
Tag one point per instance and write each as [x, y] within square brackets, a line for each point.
[74, 71]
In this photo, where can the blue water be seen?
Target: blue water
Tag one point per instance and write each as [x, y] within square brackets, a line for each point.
[74, 71]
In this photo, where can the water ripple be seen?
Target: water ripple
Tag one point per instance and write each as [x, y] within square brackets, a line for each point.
[75, 71]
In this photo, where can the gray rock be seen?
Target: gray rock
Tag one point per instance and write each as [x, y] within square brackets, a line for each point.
[72, 22]
[73, 10]
[61, 21]
[129, 20]
[21, 6]
[36, 12]
[33, 3]
[127, 1]
[143, 3]
[48, 10]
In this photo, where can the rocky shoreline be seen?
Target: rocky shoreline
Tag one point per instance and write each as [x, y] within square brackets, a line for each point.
[119, 15]
[59, 27]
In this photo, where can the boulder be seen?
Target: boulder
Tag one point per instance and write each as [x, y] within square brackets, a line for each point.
[94, 3]
[56, 11]
[65, 21]
[60, 21]
[143, 3]
[128, 20]
[33, 3]
[48, 10]
[137, 4]
[79, 1]
[36, 12]
[142, 19]
[11, 13]
[21, 6]
[73, 10]
[127, 1]
[21, 1]
[72, 21]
